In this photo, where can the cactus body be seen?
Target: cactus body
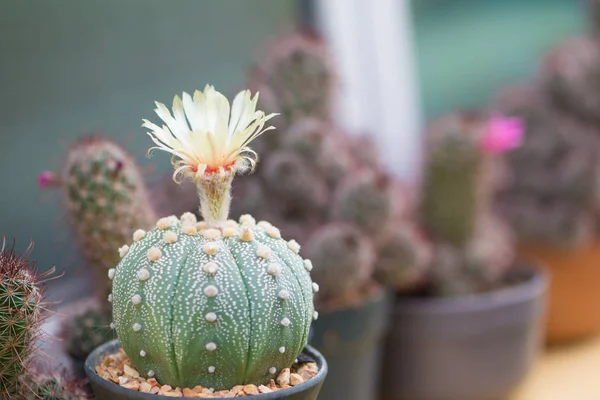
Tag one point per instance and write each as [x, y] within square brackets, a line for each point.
[20, 318]
[287, 176]
[214, 308]
[299, 77]
[342, 257]
[449, 202]
[551, 195]
[87, 331]
[367, 201]
[404, 259]
[106, 201]
[571, 75]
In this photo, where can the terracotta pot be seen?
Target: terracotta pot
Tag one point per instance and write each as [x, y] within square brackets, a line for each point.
[574, 294]
[105, 390]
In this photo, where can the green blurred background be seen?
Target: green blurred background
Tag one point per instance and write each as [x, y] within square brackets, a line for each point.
[69, 67]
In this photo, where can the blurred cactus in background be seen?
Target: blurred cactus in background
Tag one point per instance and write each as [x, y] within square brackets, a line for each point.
[551, 194]
[322, 186]
[570, 78]
[86, 331]
[471, 247]
[106, 201]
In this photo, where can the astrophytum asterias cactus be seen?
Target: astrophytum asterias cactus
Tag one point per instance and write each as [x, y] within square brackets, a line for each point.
[214, 303]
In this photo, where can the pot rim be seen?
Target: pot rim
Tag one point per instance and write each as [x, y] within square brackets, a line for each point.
[108, 347]
[534, 286]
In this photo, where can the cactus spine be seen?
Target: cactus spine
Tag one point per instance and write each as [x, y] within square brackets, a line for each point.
[214, 303]
[21, 305]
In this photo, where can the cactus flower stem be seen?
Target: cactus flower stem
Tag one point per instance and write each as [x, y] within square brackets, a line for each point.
[214, 190]
[213, 147]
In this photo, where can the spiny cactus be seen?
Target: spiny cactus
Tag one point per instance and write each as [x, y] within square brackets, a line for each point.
[471, 247]
[212, 303]
[404, 258]
[457, 182]
[551, 195]
[106, 200]
[86, 331]
[42, 383]
[367, 201]
[479, 265]
[343, 259]
[21, 315]
[286, 176]
[297, 78]
[570, 75]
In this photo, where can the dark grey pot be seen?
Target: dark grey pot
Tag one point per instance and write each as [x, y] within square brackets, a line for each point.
[475, 347]
[352, 341]
[105, 390]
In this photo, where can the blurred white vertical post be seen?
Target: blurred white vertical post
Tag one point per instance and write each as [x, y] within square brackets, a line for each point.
[372, 43]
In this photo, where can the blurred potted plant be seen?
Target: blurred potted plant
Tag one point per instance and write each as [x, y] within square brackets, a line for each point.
[211, 308]
[473, 329]
[328, 190]
[553, 195]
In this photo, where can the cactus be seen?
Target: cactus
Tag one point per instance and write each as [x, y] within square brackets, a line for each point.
[343, 259]
[471, 247]
[458, 181]
[21, 306]
[297, 78]
[404, 259]
[570, 75]
[367, 201]
[552, 193]
[43, 383]
[286, 176]
[86, 331]
[106, 200]
[212, 303]
[480, 265]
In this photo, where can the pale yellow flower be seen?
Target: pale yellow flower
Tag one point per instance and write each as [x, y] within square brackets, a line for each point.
[204, 137]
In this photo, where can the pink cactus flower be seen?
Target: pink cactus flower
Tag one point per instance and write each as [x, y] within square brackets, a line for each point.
[502, 134]
[48, 179]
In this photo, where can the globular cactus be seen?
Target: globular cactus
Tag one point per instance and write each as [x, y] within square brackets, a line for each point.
[552, 192]
[86, 331]
[478, 266]
[367, 200]
[343, 260]
[214, 303]
[286, 175]
[106, 200]
[404, 258]
[21, 315]
[570, 75]
[298, 79]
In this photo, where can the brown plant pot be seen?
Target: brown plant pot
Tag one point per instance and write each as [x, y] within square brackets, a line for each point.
[574, 293]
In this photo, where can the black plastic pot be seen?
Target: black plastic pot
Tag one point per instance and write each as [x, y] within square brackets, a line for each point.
[105, 390]
[352, 341]
[476, 347]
